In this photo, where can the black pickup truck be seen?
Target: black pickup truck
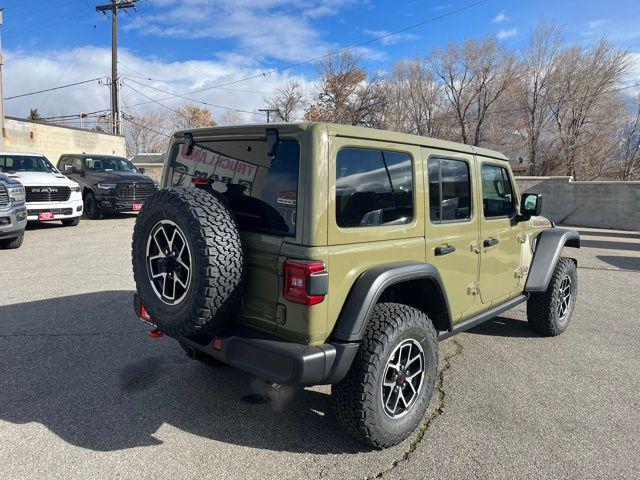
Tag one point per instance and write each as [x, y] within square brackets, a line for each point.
[109, 183]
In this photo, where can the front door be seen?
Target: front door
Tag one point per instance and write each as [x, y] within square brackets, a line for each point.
[452, 228]
[500, 248]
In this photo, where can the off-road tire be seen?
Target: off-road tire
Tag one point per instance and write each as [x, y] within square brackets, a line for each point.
[542, 307]
[12, 243]
[218, 267]
[90, 206]
[71, 222]
[202, 358]
[357, 398]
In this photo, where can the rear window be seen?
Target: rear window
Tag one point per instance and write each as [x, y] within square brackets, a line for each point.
[262, 191]
[373, 187]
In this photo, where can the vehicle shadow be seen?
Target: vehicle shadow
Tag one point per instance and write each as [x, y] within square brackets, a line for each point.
[504, 327]
[625, 263]
[84, 367]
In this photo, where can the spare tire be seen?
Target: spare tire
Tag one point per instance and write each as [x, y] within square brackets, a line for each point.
[188, 261]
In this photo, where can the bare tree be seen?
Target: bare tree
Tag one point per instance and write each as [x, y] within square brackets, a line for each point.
[346, 93]
[415, 100]
[287, 101]
[629, 148]
[231, 117]
[585, 103]
[192, 116]
[144, 131]
[475, 75]
[533, 90]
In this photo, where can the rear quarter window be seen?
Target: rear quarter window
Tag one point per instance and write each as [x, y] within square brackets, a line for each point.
[262, 191]
[373, 188]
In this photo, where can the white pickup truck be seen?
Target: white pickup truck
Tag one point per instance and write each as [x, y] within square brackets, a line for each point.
[50, 195]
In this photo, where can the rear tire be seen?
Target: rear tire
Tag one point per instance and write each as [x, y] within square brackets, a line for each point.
[549, 313]
[188, 261]
[12, 243]
[367, 401]
[71, 222]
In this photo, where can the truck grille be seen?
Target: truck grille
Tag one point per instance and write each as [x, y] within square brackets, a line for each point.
[133, 192]
[4, 196]
[48, 194]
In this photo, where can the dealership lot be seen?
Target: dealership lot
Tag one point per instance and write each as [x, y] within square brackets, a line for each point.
[85, 393]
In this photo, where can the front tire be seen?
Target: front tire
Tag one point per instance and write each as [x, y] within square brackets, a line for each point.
[71, 222]
[91, 209]
[549, 313]
[12, 243]
[387, 391]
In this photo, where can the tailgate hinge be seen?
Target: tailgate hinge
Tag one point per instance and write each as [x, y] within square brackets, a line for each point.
[473, 289]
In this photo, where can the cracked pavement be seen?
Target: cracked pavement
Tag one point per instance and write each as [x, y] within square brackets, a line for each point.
[85, 393]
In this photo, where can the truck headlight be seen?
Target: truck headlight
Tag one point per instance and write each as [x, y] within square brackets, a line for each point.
[156, 183]
[75, 189]
[107, 186]
[17, 194]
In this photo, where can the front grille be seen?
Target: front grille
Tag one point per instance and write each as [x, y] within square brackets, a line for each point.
[133, 192]
[4, 196]
[48, 194]
[58, 211]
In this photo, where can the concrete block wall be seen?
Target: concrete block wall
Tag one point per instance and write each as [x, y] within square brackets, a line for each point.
[587, 204]
[54, 140]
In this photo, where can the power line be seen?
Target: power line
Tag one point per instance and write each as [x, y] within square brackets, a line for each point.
[185, 98]
[54, 88]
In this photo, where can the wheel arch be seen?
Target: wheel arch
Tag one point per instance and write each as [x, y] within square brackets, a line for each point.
[415, 284]
[549, 246]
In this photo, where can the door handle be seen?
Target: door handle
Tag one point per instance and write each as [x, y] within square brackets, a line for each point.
[445, 250]
[490, 242]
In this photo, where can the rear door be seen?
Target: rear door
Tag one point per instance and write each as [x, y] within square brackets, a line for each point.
[452, 227]
[263, 194]
[500, 254]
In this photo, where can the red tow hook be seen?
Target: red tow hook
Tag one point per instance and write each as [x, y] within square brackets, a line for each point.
[156, 333]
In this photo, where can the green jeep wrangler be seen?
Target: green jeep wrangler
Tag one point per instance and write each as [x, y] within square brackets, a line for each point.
[328, 254]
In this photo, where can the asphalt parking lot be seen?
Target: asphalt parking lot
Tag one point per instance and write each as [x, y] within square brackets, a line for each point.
[85, 393]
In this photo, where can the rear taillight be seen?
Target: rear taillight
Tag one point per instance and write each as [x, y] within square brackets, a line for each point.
[305, 282]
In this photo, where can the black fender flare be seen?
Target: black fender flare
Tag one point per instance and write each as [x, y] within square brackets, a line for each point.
[549, 245]
[367, 289]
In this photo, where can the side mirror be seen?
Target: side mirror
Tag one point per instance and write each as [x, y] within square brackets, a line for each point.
[530, 205]
[141, 170]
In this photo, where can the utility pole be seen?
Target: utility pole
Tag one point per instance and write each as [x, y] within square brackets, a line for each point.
[2, 132]
[269, 111]
[113, 7]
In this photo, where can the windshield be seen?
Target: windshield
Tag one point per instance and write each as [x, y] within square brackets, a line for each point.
[25, 163]
[109, 164]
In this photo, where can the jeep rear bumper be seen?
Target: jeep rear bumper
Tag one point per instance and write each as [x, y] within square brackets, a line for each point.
[271, 358]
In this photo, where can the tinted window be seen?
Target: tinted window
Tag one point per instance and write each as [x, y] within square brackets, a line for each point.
[262, 191]
[373, 187]
[109, 164]
[25, 163]
[497, 194]
[449, 190]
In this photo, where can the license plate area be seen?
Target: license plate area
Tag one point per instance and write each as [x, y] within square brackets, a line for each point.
[137, 207]
[45, 216]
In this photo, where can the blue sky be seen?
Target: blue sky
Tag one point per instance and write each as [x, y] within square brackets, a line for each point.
[187, 44]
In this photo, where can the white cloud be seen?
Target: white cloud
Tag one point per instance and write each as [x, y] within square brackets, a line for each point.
[260, 29]
[390, 39]
[507, 33]
[501, 17]
[28, 71]
[593, 24]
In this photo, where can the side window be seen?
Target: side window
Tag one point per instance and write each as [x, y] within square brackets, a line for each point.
[373, 187]
[63, 163]
[77, 162]
[497, 194]
[449, 190]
